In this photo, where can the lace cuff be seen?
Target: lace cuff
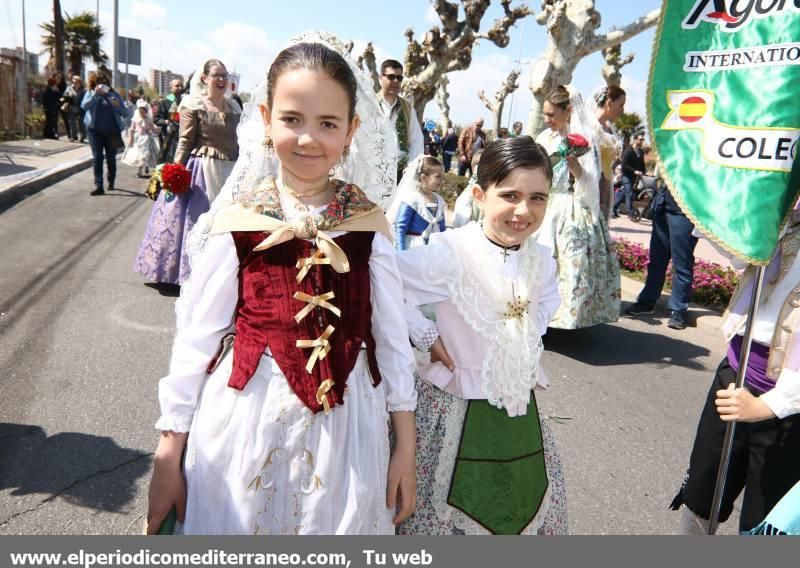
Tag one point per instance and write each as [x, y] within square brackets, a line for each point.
[403, 407]
[425, 338]
[173, 423]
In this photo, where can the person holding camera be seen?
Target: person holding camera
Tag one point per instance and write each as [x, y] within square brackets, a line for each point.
[104, 113]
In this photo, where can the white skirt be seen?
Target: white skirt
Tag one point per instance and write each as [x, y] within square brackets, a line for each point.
[259, 461]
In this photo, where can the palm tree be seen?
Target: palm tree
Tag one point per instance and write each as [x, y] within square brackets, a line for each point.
[82, 35]
[629, 125]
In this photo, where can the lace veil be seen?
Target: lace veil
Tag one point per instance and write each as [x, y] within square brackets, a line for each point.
[408, 188]
[371, 164]
[587, 186]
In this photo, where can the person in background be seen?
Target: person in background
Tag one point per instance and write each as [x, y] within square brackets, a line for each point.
[74, 96]
[574, 229]
[449, 148]
[167, 119]
[606, 106]
[208, 147]
[51, 101]
[472, 139]
[62, 85]
[671, 239]
[632, 167]
[516, 129]
[410, 143]
[104, 116]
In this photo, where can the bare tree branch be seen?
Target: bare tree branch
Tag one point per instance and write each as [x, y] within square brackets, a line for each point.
[496, 106]
[572, 35]
[449, 47]
[614, 62]
[367, 59]
[636, 27]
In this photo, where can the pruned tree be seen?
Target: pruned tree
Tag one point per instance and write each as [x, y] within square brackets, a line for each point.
[614, 62]
[366, 62]
[443, 100]
[448, 47]
[572, 35]
[496, 106]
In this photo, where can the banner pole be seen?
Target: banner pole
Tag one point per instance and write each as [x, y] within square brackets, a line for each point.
[727, 445]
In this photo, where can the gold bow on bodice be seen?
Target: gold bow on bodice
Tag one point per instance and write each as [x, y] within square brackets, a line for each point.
[236, 217]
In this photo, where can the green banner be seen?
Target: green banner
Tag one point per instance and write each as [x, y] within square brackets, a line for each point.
[723, 107]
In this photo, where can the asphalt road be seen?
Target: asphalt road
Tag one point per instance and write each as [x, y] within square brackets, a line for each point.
[83, 342]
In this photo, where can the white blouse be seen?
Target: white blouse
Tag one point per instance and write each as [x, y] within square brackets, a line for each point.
[213, 296]
[420, 291]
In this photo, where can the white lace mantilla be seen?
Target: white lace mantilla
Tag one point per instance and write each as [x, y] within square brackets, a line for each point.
[482, 298]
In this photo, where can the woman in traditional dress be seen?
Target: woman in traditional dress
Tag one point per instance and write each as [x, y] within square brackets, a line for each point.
[606, 106]
[208, 148]
[574, 228]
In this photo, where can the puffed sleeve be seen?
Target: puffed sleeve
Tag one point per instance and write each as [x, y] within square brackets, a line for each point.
[418, 291]
[213, 292]
[402, 222]
[395, 358]
[188, 132]
[549, 298]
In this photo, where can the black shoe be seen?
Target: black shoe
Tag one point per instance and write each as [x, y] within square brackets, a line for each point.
[677, 320]
[614, 215]
[640, 309]
[111, 185]
[98, 191]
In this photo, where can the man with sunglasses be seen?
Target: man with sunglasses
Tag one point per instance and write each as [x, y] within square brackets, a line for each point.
[410, 143]
[632, 168]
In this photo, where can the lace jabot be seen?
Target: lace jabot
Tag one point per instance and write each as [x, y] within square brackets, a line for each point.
[484, 299]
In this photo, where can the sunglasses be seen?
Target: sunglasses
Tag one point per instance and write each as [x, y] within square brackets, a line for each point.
[223, 76]
[393, 77]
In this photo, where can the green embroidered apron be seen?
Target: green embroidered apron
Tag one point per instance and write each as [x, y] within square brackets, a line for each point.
[499, 478]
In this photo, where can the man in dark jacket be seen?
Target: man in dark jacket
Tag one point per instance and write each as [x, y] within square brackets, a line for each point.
[632, 167]
[449, 147]
[166, 118]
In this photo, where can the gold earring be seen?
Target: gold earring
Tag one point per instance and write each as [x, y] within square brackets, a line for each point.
[269, 147]
[345, 154]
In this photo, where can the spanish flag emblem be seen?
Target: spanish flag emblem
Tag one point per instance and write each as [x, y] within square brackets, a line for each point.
[692, 109]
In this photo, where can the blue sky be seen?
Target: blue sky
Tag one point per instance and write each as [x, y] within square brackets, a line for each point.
[246, 34]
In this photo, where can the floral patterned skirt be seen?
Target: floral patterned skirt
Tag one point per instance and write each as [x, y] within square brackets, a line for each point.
[588, 269]
[440, 416]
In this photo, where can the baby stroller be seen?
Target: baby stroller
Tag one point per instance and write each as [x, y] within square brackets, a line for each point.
[644, 190]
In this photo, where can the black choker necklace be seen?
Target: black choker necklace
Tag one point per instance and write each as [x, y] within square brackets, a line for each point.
[504, 247]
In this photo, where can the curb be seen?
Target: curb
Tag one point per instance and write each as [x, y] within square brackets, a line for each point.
[699, 316]
[17, 193]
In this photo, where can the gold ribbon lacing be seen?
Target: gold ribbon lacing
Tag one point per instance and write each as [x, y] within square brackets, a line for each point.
[306, 228]
[322, 394]
[321, 347]
[312, 302]
[305, 264]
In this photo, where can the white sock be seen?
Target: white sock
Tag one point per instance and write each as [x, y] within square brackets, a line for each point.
[691, 524]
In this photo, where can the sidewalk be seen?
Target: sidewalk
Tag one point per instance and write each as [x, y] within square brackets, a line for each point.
[28, 166]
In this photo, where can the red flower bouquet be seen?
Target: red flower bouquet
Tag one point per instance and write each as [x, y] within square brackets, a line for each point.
[573, 145]
[172, 178]
[175, 178]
